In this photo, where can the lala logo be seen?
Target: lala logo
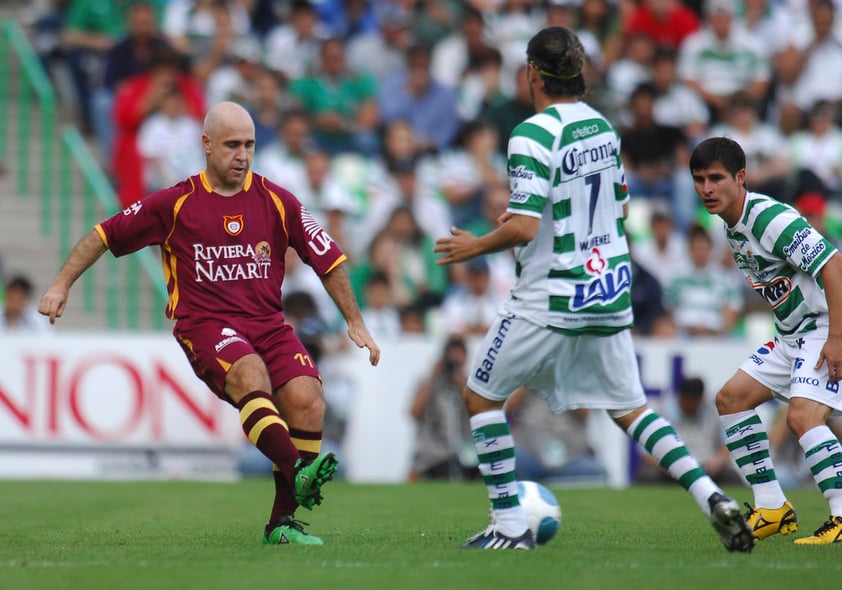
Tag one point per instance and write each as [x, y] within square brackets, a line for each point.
[596, 263]
[233, 224]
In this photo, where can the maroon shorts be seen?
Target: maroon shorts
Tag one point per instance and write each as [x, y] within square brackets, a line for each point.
[212, 345]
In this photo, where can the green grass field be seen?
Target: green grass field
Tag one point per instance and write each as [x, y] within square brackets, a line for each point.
[185, 535]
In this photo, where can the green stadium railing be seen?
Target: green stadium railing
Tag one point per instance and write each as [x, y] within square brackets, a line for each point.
[32, 83]
[28, 96]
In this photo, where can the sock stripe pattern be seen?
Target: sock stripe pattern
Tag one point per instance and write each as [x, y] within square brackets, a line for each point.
[660, 440]
[825, 460]
[749, 446]
[308, 443]
[495, 449]
[257, 414]
[266, 429]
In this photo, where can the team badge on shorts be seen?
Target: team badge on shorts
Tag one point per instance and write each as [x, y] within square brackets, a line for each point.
[233, 224]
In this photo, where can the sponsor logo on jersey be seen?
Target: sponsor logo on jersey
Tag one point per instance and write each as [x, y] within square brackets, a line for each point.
[574, 158]
[519, 197]
[775, 292]
[603, 289]
[319, 240]
[233, 224]
[810, 255]
[585, 131]
[800, 380]
[262, 251]
[230, 337]
[766, 348]
[521, 173]
[231, 262]
[596, 263]
[483, 372]
[133, 208]
[797, 240]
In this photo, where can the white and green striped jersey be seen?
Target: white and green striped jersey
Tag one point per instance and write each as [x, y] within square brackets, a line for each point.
[781, 255]
[564, 168]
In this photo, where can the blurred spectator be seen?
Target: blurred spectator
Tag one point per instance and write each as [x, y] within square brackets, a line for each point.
[676, 104]
[90, 30]
[601, 19]
[292, 48]
[443, 444]
[647, 298]
[415, 252]
[433, 20]
[564, 13]
[136, 99]
[380, 314]
[507, 115]
[235, 79]
[509, 28]
[192, 26]
[467, 169]
[816, 153]
[813, 207]
[664, 249]
[722, 58]
[633, 68]
[131, 55]
[170, 143]
[667, 22]
[451, 55]
[342, 105]
[389, 43]
[346, 19]
[803, 73]
[415, 96]
[47, 31]
[654, 157]
[267, 109]
[19, 314]
[502, 268]
[480, 85]
[697, 423]
[551, 447]
[766, 149]
[472, 306]
[768, 21]
[413, 319]
[702, 298]
[383, 256]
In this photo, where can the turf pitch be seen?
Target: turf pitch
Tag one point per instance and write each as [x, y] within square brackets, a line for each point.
[185, 535]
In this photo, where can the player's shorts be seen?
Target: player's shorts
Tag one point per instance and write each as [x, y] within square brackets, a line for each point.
[587, 371]
[785, 366]
[212, 345]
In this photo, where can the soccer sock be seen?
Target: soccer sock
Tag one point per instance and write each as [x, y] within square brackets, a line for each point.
[824, 457]
[496, 451]
[308, 444]
[660, 440]
[746, 438]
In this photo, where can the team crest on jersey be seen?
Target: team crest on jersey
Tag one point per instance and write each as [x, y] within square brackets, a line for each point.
[262, 251]
[745, 259]
[233, 224]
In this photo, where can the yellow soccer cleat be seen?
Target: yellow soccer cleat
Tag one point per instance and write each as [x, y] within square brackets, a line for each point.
[829, 532]
[765, 522]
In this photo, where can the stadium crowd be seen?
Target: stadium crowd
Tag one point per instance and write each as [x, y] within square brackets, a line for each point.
[389, 120]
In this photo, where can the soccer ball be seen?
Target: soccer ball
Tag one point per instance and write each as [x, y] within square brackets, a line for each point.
[543, 513]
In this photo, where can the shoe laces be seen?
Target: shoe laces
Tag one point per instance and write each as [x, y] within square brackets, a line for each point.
[749, 510]
[828, 526]
[293, 523]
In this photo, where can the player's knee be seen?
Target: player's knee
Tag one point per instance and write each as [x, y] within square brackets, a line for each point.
[247, 374]
[803, 415]
[725, 400]
[476, 404]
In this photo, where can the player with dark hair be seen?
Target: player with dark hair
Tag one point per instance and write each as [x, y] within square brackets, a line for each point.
[799, 272]
[223, 234]
[565, 330]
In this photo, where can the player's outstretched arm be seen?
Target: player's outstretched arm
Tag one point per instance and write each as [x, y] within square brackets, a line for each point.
[512, 230]
[832, 350]
[338, 286]
[83, 255]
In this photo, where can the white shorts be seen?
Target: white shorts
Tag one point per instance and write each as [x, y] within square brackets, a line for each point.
[785, 366]
[598, 372]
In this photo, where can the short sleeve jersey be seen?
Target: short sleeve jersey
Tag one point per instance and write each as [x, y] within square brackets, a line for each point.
[222, 256]
[564, 167]
[781, 256]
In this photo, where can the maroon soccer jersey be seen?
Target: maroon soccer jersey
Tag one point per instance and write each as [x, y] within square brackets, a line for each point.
[222, 256]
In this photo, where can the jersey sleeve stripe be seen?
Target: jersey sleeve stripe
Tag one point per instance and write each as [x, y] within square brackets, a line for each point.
[764, 219]
[102, 235]
[531, 164]
[533, 204]
[787, 235]
[537, 134]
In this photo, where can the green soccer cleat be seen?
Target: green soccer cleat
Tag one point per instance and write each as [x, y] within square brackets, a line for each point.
[765, 522]
[310, 477]
[288, 531]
